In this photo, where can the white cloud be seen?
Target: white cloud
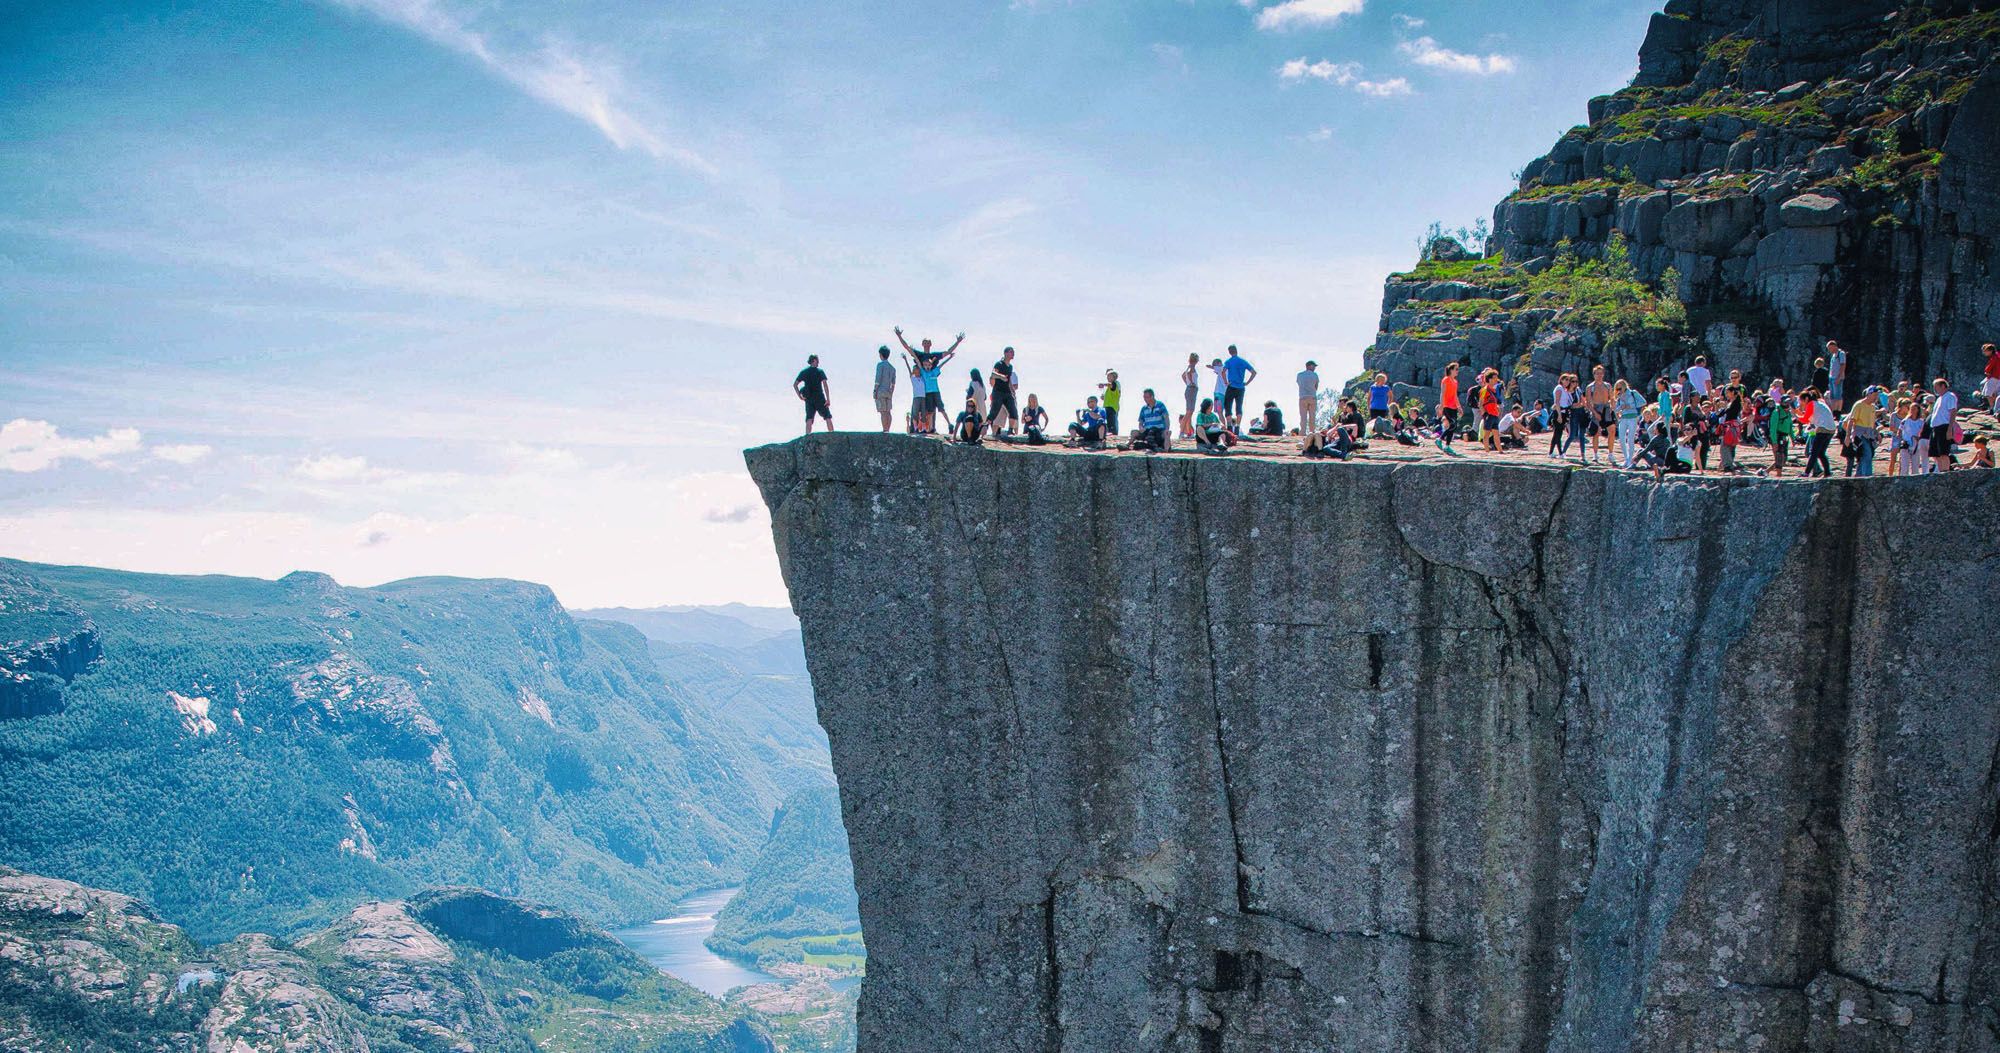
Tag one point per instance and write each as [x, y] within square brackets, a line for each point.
[588, 91]
[32, 445]
[1407, 22]
[185, 453]
[1425, 51]
[1338, 72]
[1171, 57]
[334, 468]
[1319, 135]
[1383, 89]
[1293, 14]
[1345, 74]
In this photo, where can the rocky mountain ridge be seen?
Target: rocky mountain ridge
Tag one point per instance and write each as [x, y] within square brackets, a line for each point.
[1789, 172]
[451, 971]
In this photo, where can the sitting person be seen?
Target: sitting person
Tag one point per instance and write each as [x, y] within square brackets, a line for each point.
[1034, 422]
[1404, 425]
[970, 424]
[1514, 428]
[1352, 422]
[1152, 436]
[1272, 422]
[1210, 436]
[1088, 430]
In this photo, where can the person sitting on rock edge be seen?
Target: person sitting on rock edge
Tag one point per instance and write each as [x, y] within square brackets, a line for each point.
[1152, 424]
[1034, 422]
[1088, 429]
[970, 425]
[1210, 436]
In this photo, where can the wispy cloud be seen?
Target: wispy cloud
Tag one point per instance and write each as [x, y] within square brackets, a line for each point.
[1425, 51]
[587, 90]
[33, 445]
[1298, 14]
[184, 453]
[1345, 74]
[1171, 57]
[1319, 135]
[1407, 23]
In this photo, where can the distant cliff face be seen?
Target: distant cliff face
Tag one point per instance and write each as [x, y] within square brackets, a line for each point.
[1796, 171]
[1179, 754]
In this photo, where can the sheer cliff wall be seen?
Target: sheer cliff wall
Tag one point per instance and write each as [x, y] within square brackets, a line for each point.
[1195, 754]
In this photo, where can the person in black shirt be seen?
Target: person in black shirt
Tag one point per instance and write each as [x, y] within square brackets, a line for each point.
[1000, 395]
[1034, 422]
[970, 425]
[810, 387]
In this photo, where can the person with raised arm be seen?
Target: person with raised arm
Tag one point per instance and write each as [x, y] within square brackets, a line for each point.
[926, 357]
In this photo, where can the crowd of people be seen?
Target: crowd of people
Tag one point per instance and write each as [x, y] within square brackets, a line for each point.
[1692, 421]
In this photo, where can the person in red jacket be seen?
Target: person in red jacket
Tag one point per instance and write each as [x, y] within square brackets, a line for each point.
[1990, 387]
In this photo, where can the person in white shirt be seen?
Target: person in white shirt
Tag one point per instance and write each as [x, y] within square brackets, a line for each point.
[1309, 397]
[1699, 376]
[1944, 413]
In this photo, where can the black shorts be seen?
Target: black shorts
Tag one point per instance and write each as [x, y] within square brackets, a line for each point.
[815, 408]
[1492, 421]
[1374, 413]
[1003, 398]
[1941, 440]
[933, 402]
[1232, 402]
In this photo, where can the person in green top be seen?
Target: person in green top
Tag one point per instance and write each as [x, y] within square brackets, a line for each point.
[1209, 434]
[1781, 435]
[1111, 393]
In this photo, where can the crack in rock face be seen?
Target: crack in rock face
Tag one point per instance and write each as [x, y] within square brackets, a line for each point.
[1188, 754]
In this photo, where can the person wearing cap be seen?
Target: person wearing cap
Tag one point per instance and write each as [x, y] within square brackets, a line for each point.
[1309, 395]
[885, 387]
[1002, 384]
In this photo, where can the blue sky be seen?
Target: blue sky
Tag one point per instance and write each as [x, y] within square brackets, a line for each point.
[397, 287]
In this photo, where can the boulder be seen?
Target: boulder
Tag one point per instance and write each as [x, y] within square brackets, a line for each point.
[1814, 210]
[1709, 226]
[1798, 247]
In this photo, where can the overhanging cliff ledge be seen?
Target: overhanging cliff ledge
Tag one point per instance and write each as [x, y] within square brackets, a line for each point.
[1200, 754]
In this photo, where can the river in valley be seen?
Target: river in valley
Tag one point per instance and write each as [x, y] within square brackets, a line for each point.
[674, 944]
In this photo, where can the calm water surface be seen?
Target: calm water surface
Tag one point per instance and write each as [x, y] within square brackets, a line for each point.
[674, 944]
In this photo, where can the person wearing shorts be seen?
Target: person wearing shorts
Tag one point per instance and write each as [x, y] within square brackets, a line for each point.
[810, 387]
[1836, 375]
[1237, 373]
[1378, 397]
[1989, 385]
[1603, 418]
[1944, 414]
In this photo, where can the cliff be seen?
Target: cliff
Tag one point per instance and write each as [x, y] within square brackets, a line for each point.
[1790, 171]
[1148, 754]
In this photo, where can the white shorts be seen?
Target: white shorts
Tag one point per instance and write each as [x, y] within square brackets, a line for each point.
[1991, 387]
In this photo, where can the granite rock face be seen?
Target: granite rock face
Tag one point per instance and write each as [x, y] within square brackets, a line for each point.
[1797, 170]
[1198, 754]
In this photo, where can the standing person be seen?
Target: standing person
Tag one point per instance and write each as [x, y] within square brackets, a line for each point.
[1308, 397]
[1862, 436]
[1629, 404]
[1152, 423]
[885, 387]
[1819, 417]
[1448, 407]
[1603, 417]
[1989, 385]
[1560, 400]
[1378, 398]
[1112, 394]
[1699, 376]
[1192, 394]
[810, 387]
[927, 357]
[1836, 376]
[1489, 409]
[1944, 417]
[1237, 373]
[1820, 377]
[1781, 436]
[1005, 382]
[1909, 459]
[1581, 423]
[975, 392]
[933, 393]
[1221, 384]
[919, 399]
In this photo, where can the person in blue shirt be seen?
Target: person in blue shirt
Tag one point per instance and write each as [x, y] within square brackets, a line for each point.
[1152, 424]
[1089, 426]
[1237, 373]
[1378, 396]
